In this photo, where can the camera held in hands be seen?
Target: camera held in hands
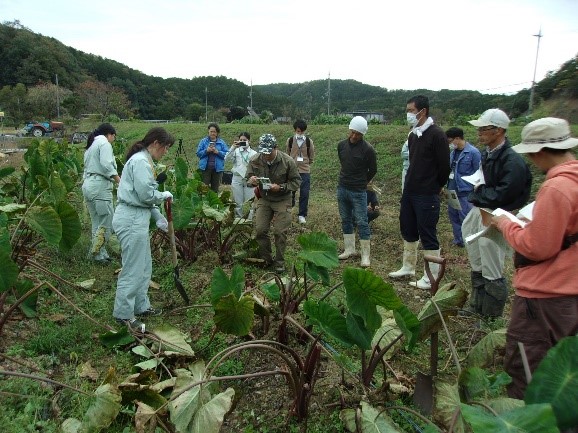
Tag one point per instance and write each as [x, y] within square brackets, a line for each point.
[265, 183]
[242, 143]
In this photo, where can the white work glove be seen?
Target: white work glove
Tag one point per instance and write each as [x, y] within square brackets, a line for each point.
[166, 194]
[163, 224]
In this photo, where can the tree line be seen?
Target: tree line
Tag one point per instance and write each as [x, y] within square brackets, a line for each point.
[43, 78]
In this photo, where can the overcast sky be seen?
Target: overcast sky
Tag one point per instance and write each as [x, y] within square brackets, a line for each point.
[485, 45]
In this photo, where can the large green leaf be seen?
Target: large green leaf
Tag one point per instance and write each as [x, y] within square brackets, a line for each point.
[555, 381]
[222, 285]
[36, 164]
[371, 420]
[72, 229]
[233, 315]
[213, 212]
[473, 383]
[12, 207]
[56, 188]
[408, 323]
[6, 171]
[358, 332]
[8, 271]
[183, 211]
[30, 305]
[449, 300]
[536, 418]
[387, 332]
[483, 353]
[364, 291]
[318, 273]
[45, 221]
[319, 249]
[181, 171]
[329, 319]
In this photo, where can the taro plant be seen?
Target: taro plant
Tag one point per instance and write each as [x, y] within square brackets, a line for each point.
[376, 318]
[203, 219]
[35, 207]
[477, 399]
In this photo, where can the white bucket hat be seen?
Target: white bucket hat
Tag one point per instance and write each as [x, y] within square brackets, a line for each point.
[549, 132]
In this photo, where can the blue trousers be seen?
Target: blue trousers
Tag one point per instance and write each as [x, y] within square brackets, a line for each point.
[418, 219]
[303, 194]
[353, 208]
[457, 217]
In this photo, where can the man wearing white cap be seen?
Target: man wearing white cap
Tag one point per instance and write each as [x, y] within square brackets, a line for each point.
[545, 308]
[507, 185]
[358, 166]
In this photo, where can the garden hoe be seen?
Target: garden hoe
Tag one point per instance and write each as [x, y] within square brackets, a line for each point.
[423, 396]
[176, 276]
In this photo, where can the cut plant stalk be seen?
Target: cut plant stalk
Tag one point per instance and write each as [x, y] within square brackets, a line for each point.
[424, 390]
[176, 273]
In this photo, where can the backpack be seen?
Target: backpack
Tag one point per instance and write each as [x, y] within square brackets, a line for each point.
[307, 142]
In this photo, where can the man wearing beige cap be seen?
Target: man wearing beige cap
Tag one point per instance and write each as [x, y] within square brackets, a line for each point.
[507, 185]
[545, 308]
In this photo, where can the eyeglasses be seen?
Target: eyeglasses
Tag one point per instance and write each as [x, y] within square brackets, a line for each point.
[488, 128]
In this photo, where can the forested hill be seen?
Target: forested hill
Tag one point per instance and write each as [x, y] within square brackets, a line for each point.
[30, 60]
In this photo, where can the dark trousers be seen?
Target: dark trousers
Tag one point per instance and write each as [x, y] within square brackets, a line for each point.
[212, 179]
[418, 219]
[303, 194]
[539, 324]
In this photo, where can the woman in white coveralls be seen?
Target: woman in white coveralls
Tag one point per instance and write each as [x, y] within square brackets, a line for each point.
[240, 154]
[98, 177]
[138, 198]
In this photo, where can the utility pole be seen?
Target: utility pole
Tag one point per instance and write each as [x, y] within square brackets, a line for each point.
[531, 105]
[329, 94]
[206, 106]
[251, 95]
[57, 99]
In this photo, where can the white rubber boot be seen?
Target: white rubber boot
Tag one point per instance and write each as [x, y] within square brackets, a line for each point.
[423, 282]
[409, 261]
[365, 248]
[349, 244]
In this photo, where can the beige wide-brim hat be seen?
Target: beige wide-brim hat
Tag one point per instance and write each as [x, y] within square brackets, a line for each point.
[549, 132]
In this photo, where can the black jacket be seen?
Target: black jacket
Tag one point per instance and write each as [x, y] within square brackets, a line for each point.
[508, 180]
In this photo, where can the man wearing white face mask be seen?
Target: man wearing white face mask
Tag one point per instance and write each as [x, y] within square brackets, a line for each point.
[427, 174]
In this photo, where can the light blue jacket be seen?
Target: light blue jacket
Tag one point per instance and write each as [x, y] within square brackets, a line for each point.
[219, 158]
[468, 163]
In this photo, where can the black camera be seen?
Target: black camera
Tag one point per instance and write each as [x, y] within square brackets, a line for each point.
[241, 143]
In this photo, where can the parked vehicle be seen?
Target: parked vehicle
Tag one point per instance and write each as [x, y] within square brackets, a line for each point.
[79, 137]
[39, 129]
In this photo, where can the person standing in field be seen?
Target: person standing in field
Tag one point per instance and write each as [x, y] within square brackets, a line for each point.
[426, 176]
[300, 148]
[358, 162]
[211, 152]
[138, 198]
[409, 248]
[240, 154]
[276, 176]
[100, 173]
[465, 160]
[508, 182]
[545, 307]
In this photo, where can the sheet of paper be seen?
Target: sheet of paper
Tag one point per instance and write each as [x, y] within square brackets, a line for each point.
[476, 179]
[526, 212]
[452, 198]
